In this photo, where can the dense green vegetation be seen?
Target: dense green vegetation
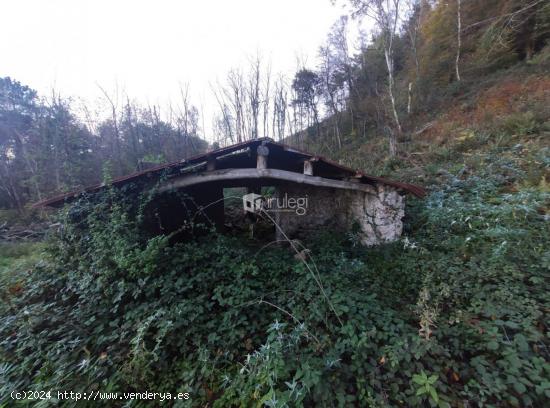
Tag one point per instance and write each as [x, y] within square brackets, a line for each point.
[455, 312]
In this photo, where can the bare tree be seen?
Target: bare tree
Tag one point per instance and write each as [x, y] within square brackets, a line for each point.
[386, 14]
[459, 38]
[236, 94]
[186, 120]
[266, 100]
[330, 90]
[412, 30]
[239, 103]
[223, 123]
[280, 103]
[254, 78]
[113, 104]
[343, 64]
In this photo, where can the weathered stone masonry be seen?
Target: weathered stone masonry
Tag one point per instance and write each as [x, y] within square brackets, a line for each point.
[378, 213]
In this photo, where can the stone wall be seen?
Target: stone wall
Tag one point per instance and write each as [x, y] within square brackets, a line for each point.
[378, 213]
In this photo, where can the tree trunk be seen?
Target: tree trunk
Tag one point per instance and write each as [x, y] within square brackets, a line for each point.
[393, 138]
[459, 39]
[392, 142]
[409, 102]
[29, 165]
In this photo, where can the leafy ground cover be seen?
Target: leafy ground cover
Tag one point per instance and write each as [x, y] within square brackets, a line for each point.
[455, 314]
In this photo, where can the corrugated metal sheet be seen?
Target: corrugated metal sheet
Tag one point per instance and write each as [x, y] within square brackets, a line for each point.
[60, 199]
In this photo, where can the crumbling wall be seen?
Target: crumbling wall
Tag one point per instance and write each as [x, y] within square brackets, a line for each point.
[378, 213]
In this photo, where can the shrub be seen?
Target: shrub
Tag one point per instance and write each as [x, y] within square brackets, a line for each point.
[455, 314]
[520, 123]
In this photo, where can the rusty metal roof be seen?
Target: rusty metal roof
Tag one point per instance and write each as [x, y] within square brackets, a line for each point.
[181, 164]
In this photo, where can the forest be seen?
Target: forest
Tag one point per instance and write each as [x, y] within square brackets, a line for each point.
[452, 95]
[388, 86]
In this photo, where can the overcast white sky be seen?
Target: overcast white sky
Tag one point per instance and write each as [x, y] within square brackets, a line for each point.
[150, 47]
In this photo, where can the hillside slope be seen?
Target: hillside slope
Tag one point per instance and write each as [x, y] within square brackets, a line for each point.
[454, 314]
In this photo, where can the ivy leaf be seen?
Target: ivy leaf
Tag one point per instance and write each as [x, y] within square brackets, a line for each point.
[418, 379]
[421, 391]
[434, 395]
[519, 387]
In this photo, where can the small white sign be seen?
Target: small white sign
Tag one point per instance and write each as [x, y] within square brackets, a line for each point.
[252, 202]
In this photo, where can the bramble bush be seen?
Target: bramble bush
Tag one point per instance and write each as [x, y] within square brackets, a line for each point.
[455, 314]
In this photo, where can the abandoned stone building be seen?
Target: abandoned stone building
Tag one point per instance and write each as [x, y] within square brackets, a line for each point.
[295, 190]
